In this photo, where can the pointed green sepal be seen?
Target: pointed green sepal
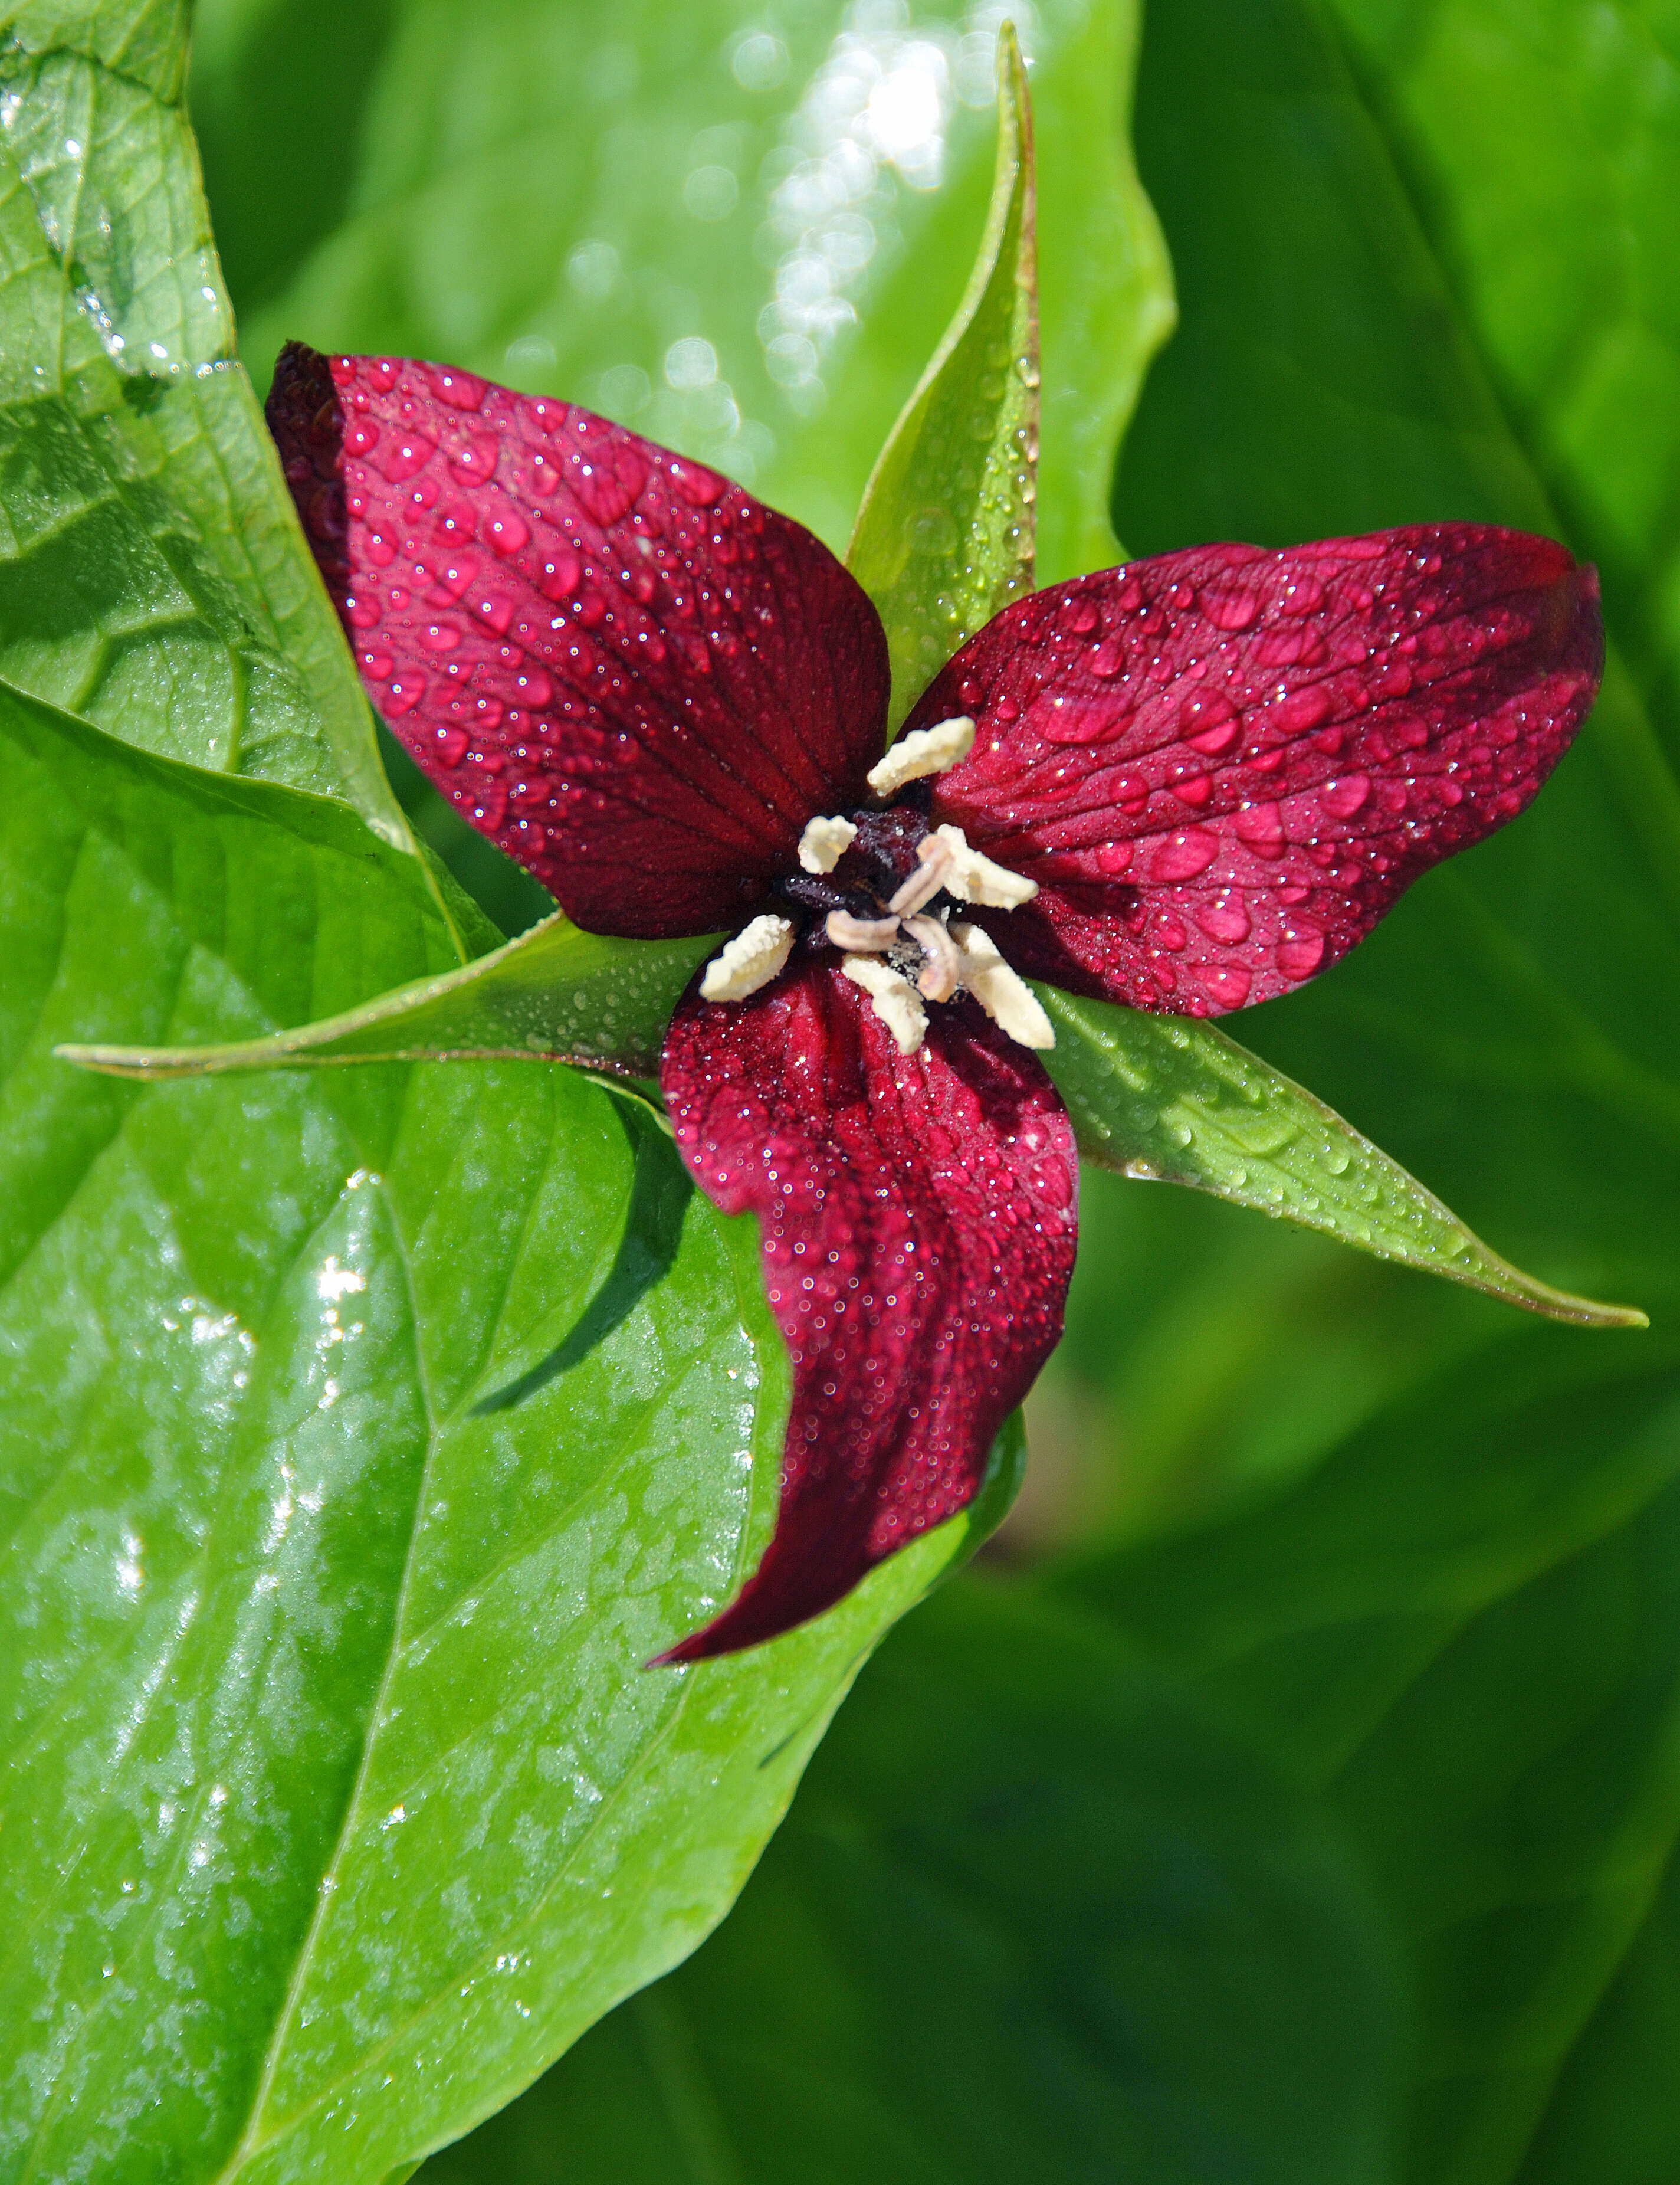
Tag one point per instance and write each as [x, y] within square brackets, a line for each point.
[555, 994]
[1172, 1099]
[944, 537]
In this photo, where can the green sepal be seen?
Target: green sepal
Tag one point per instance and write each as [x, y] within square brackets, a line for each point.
[555, 994]
[944, 536]
[1172, 1099]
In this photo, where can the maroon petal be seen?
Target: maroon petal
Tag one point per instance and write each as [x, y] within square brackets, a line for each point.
[918, 1216]
[634, 677]
[1223, 766]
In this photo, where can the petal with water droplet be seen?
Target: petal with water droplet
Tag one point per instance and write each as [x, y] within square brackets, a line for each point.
[918, 1217]
[677, 785]
[1338, 717]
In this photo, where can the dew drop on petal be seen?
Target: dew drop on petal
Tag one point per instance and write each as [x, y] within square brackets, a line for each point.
[1300, 953]
[1342, 798]
[1228, 984]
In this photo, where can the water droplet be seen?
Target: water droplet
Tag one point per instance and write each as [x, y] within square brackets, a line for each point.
[1300, 953]
[1341, 799]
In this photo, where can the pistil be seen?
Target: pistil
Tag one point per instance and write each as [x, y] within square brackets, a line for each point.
[909, 952]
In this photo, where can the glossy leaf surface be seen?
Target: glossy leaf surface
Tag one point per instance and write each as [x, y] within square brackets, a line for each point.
[685, 218]
[155, 580]
[1027, 1921]
[945, 534]
[365, 1432]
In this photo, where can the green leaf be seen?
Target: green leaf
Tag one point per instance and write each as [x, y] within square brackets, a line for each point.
[1545, 140]
[1172, 1100]
[555, 993]
[556, 200]
[1502, 1034]
[1461, 1631]
[1453, 1606]
[944, 537]
[363, 1432]
[155, 580]
[1028, 1919]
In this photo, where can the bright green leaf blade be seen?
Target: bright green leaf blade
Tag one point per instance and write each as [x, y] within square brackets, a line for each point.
[1461, 1630]
[944, 537]
[555, 992]
[1504, 1033]
[155, 580]
[556, 198]
[1168, 1099]
[362, 1434]
[1030, 1920]
[1545, 140]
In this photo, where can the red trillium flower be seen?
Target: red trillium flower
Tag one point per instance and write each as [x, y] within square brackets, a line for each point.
[1183, 784]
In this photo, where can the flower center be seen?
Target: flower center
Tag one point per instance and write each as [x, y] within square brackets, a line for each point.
[887, 891]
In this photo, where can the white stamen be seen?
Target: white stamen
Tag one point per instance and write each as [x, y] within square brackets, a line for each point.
[934, 858]
[750, 961]
[824, 843]
[973, 878]
[893, 998]
[1001, 992]
[846, 931]
[941, 973]
[929, 751]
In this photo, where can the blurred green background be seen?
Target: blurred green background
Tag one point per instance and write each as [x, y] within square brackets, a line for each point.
[1292, 1793]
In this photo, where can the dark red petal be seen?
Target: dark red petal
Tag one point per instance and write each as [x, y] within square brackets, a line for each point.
[918, 1216]
[634, 677]
[1223, 766]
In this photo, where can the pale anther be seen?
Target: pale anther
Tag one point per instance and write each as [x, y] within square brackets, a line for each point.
[927, 751]
[750, 961]
[1001, 992]
[894, 1000]
[932, 865]
[972, 877]
[846, 931]
[824, 843]
[940, 976]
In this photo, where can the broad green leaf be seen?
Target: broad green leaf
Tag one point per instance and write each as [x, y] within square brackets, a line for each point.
[555, 992]
[1169, 1099]
[704, 222]
[155, 578]
[944, 537]
[1461, 1632]
[363, 1432]
[1459, 1619]
[1505, 1032]
[1028, 1919]
[1544, 138]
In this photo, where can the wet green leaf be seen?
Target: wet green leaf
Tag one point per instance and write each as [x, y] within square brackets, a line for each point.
[1168, 1099]
[944, 537]
[363, 1432]
[155, 578]
[559, 198]
[1030, 1920]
